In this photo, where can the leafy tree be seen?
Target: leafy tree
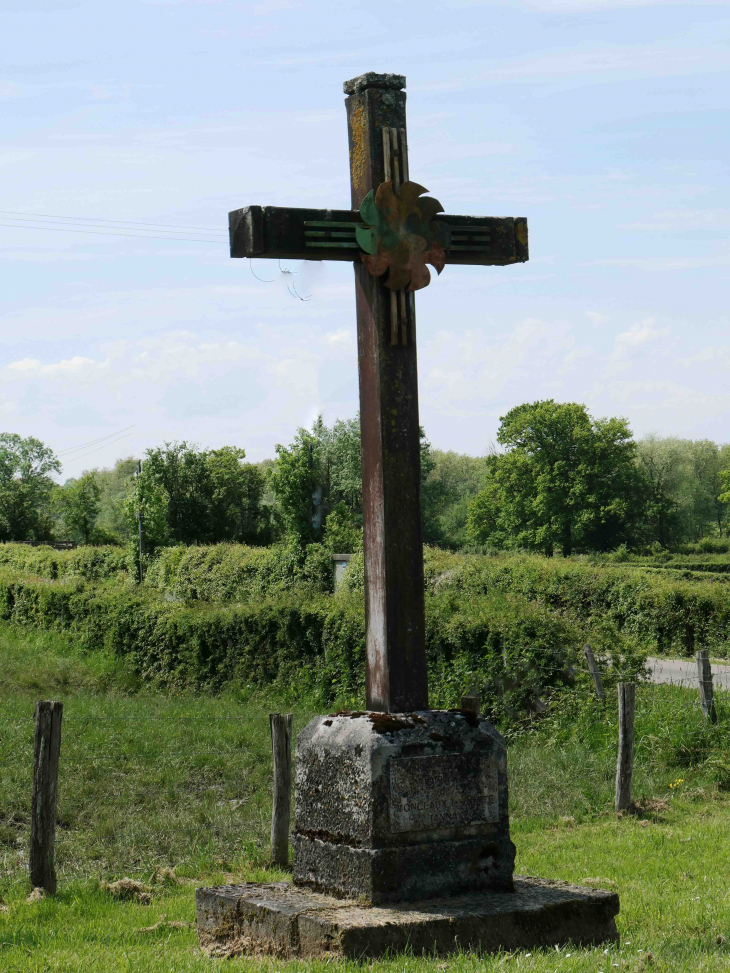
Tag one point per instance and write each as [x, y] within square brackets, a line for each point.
[341, 463]
[685, 487]
[724, 496]
[149, 498]
[565, 480]
[296, 479]
[236, 511]
[78, 502]
[705, 509]
[321, 471]
[662, 464]
[450, 481]
[205, 496]
[115, 484]
[342, 532]
[26, 486]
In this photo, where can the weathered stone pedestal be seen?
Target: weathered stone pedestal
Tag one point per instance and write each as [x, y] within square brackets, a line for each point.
[401, 841]
[284, 920]
[398, 807]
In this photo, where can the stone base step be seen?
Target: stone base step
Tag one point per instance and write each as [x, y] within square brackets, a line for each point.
[284, 920]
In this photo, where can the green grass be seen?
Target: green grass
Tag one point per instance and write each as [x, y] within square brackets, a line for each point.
[146, 779]
[151, 780]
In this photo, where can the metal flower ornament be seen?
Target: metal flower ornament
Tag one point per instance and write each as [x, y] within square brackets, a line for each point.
[400, 235]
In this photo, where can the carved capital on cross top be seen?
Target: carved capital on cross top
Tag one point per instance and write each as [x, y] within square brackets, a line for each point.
[395, 82]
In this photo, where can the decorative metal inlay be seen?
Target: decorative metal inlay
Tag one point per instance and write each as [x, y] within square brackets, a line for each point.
[326, 233]
[468, 238]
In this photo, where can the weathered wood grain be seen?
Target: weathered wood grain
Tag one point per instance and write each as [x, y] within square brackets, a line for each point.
[281, 747]
[704, 675]
[625, 762]
[280, 232]
[594, 671]
[45, 796]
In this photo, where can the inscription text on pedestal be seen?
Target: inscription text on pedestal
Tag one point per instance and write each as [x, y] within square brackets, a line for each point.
[443, 791]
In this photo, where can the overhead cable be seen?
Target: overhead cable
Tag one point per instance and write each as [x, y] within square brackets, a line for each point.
[92, 442]
[99, 219]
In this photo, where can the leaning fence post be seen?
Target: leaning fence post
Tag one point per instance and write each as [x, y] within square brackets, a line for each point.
[625, 762]
[47, 751]
[704, 675]
[595, 672]
[281, 747]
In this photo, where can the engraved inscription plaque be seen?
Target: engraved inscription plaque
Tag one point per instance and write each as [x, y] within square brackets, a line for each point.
[444, 791]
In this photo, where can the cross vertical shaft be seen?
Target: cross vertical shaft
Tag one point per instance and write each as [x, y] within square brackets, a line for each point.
[391, 460]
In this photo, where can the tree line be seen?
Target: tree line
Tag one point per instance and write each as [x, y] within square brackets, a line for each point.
[559, 480]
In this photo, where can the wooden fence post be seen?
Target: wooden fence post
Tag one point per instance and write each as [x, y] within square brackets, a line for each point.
[45, 796]
[471, 703]
[595, 672]
[704, 675]
[281, 747]
[625, 762]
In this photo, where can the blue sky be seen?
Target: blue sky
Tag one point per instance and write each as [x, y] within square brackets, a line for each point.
[602, 121]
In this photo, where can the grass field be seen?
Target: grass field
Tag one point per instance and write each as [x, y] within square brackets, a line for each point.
[152, 781]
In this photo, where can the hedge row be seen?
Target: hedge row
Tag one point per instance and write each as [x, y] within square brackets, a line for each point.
[233, 572]
[90, 563]
[512, 649]
[661, 611]
[663, 614]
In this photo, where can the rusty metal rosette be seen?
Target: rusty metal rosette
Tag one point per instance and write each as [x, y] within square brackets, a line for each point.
[401, 235]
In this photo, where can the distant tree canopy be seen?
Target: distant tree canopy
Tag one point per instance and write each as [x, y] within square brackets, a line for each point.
[26, 486]
[192, 496]
[77, 503]
[566, 480]
[317, 484]
[687, 498]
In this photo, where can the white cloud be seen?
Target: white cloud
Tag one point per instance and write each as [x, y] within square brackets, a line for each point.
[639, 335]
[469, 375]
[25, 365]
[597, 318]
[341, 337]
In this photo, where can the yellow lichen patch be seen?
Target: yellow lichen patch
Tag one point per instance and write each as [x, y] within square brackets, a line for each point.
[358, 156]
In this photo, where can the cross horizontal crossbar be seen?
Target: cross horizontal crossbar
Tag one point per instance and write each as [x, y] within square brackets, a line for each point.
[329, 234]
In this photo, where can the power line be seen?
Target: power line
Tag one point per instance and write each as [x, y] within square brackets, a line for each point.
[103, 446]
[93, 442]
[58, 229]
[95, 226]
[99, 219]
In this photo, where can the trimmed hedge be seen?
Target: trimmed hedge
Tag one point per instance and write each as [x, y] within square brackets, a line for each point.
[225, 572]
[513, 649]
[91, 563]
[650, 604]
[663, 614]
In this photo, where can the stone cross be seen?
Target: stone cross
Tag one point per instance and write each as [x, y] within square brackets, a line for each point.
[386, 335]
